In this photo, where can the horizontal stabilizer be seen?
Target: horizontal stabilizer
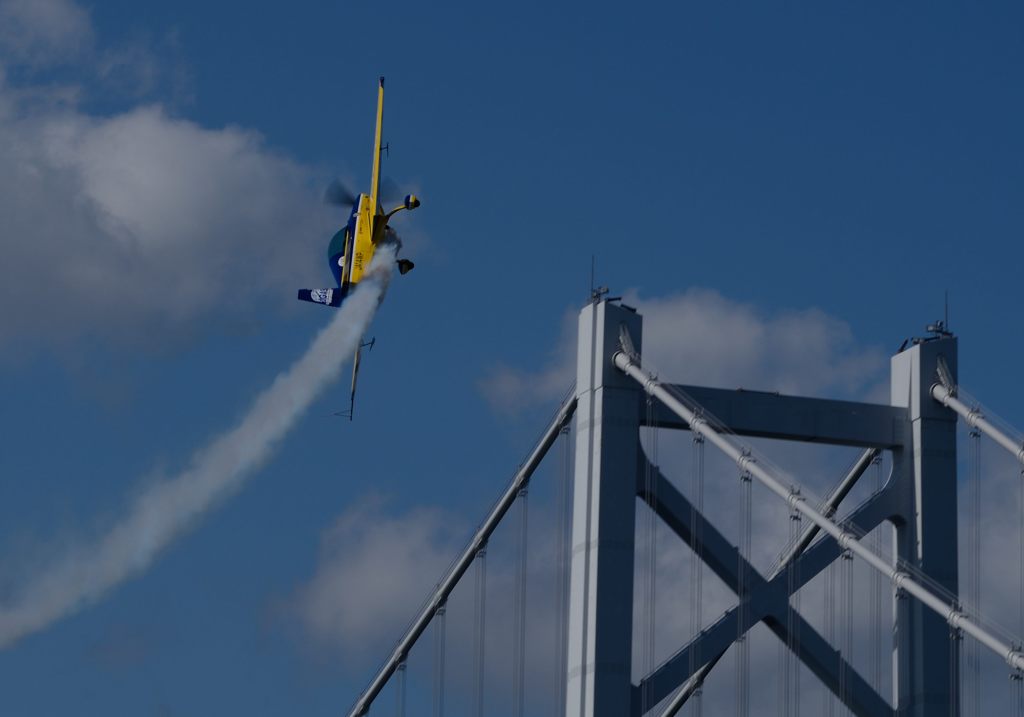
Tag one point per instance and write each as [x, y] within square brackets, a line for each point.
[327, 297]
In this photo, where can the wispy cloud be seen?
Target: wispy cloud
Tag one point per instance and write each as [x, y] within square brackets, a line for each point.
[353, 600]
[43, 32]
[702, 337]
[138, 223]
[142, 222]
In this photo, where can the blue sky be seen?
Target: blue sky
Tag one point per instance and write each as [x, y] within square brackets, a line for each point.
[812, 175]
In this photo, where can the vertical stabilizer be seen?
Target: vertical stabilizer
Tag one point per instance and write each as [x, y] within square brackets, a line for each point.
[375, 185]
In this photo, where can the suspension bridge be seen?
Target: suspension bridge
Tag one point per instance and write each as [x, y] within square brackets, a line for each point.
[863, 600]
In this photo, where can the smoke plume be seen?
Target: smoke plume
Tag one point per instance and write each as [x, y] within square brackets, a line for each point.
[167, 509]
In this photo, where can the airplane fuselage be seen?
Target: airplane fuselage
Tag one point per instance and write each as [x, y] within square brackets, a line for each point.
[352, 247]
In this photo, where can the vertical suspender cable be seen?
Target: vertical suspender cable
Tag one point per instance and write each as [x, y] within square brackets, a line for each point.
[466, 558]
[650, 525]
[439, 654]
[519, 630]
[742, 642]
[784, 684]
[792, 701]
[479, 627]
[642, 608]
[562, 578]
[847, 612]
[955, 642]
[876, 596]
[400, 690]
[830, 627]
[1017, 676]
[795, 630]
[697, 561]
[840, 616]
[972, 683]
[795, 649]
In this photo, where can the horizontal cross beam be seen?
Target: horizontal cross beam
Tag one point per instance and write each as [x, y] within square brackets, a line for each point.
[793, 418]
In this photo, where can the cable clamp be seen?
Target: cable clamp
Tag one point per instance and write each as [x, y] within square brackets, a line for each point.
[973, 416]
[1015, 659]
[955, 617]
[793, 499]
[743, 462]
[845, 539]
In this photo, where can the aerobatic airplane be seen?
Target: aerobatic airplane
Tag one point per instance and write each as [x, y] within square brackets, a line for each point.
[352, 247]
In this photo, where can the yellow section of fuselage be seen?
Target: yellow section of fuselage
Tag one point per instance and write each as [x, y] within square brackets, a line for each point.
[363, 245]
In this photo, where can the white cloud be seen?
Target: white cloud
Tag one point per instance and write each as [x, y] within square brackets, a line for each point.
[137, 224]
[376, 568]
[142, 223]
[40, 32]
[702, 337]
[373, 571]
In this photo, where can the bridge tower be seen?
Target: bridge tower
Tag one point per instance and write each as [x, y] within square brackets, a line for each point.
[919, 501]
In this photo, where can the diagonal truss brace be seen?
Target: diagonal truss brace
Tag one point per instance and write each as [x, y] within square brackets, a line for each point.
[766, 600]
[901, 578]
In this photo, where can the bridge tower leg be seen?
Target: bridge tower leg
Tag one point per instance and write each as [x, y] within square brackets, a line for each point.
[924, 657]
[600, 636]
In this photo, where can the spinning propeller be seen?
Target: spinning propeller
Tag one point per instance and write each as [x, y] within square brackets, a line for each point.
[340, 195]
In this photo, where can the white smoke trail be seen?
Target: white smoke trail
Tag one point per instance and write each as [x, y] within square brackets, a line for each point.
[167, 509]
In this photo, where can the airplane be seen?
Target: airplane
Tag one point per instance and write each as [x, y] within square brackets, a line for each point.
[351, 249]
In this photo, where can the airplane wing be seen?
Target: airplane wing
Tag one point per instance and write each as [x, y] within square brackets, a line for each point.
[375, 185]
